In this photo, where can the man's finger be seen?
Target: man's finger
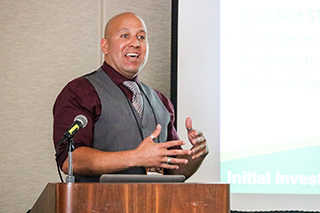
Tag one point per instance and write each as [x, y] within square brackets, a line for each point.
[198, 140]
[175, 152]
[188, 124]
[198, 132]
[198, 148]
[172, 143]
[176, 160]
[202, 152]
[156, 132]
[169, 166]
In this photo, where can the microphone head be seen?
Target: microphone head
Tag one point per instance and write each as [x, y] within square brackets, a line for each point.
[82, 119]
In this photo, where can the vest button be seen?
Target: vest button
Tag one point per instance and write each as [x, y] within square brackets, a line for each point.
[143, 127]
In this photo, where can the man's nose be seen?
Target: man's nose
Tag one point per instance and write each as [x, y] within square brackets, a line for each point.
[135, 43]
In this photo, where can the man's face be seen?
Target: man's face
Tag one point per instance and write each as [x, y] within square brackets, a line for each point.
[126, 45]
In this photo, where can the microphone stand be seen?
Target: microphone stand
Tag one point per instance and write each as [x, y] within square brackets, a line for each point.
[70, 178]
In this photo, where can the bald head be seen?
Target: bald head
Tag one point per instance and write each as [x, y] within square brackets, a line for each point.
[117, 19]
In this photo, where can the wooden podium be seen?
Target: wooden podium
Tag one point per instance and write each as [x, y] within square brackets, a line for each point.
[133, 197]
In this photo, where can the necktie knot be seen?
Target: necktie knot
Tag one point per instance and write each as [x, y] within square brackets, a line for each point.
[137, 101]
[132, 86]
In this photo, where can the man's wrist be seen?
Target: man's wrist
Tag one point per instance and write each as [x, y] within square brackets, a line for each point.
[133, 158]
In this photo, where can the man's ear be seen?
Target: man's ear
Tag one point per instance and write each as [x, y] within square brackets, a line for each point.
[104, 46]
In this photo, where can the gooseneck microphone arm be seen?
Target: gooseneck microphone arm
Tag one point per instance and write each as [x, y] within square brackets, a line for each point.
[70, 178]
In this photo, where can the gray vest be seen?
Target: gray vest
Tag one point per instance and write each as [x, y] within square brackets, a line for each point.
[120, 127]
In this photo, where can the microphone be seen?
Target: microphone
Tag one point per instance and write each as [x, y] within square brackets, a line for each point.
[80, 121]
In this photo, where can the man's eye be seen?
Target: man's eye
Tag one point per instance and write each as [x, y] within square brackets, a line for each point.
[124, 36]
[141, 37]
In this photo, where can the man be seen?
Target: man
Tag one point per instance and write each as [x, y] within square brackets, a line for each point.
[119, 137]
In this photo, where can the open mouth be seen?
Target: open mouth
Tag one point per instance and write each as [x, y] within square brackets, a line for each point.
[132, 55]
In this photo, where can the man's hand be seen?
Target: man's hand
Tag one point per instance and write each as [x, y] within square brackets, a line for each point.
[197, 139]
[150, 154]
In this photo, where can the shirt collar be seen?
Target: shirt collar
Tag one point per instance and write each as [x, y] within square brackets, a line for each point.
[115, 76]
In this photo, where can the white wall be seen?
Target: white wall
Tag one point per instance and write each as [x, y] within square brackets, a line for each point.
[198, 73]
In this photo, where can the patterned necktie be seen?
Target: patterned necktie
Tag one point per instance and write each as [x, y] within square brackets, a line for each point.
[137, 101]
